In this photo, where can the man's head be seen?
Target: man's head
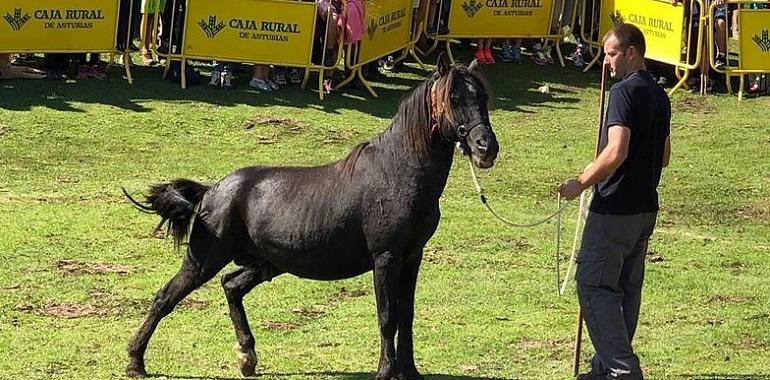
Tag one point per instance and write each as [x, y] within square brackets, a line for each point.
[624, 49]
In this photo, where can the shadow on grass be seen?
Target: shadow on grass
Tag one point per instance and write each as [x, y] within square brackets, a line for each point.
[715, 376]
[335, 375]
[515, 86]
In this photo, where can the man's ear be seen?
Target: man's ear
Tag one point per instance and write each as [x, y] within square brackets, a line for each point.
[442, 66]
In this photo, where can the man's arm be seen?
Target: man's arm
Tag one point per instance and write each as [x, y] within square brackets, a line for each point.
[610, 158]
[667, 151]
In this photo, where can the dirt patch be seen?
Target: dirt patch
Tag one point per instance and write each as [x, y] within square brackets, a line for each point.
[334, 136]
[312, 312]
[544, 343]
[2, 130]
[281, 326]
[654, 257]
[757, 212]
[438, 256]
[195, 304]
[724, 298]
[76, 268]
[349, 294]
[749, 342]
[693, 104]
[102, 304]
[72, 310]
[735, 267]
[289, 125]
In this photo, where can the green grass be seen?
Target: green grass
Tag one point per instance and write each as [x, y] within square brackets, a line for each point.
[79, 267]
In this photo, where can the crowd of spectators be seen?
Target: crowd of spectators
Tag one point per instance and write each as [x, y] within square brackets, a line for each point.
[153, 29]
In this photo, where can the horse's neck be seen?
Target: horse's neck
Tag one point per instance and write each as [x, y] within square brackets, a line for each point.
[429, 167]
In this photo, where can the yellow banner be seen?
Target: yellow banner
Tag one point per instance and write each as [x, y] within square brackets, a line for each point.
[265, 31]
[388, 28]
[49, 26]
[754, 39]
[660, 22]
[500, 18]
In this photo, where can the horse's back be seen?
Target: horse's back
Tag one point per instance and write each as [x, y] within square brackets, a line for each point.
[304, 220]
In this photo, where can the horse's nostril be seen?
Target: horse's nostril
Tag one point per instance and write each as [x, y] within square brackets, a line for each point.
[481, 145]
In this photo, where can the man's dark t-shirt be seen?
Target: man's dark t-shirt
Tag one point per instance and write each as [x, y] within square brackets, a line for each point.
[641, 105]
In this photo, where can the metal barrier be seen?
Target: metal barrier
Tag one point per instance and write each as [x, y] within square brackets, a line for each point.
[502, 19]
[62, 26]
[279, 32]
[754, 44]
[389, 30]
[668, 39]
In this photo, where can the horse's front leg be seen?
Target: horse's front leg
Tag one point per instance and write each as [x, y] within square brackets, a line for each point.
[387, 268]
[407, 283]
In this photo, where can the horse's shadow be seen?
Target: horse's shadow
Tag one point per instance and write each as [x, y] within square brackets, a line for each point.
[329, 374]
[717, 376]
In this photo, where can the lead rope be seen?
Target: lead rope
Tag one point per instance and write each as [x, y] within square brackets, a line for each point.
[559, 209]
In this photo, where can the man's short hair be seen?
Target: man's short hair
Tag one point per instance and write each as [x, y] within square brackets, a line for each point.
[627, 35]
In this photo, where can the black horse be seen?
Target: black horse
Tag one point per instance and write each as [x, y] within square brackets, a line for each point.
[373, 210]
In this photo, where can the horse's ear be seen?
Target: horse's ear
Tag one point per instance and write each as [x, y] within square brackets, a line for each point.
[442, 66]
[473, 65]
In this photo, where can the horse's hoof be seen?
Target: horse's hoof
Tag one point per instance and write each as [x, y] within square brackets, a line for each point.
[386, 376]
[136, 371]
[247, 361]
[409, 374]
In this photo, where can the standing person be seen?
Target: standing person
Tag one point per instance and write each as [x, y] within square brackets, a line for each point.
[634, 146]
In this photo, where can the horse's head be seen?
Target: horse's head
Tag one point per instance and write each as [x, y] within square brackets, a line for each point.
[459, 99]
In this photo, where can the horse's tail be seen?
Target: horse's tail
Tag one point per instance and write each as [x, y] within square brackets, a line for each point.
[174, 202]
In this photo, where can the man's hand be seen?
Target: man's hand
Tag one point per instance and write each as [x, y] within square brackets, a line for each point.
[571, 189]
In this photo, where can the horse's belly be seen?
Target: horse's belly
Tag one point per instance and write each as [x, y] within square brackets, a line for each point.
[321, 262]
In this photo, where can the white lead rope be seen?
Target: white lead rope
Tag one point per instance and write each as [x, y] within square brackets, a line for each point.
[559, 209]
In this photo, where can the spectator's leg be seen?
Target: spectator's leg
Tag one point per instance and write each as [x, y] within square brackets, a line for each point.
[148, 20]
[165, 27]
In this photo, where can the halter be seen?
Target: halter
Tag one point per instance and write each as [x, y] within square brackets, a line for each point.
[462, 130]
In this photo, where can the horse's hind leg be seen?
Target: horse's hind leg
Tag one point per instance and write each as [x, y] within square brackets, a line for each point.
[190, 277]
[236, 285]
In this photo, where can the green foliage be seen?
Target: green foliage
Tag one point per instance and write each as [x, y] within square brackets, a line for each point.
[80, 267]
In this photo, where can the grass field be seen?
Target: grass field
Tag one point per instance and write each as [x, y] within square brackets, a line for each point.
[79, 266]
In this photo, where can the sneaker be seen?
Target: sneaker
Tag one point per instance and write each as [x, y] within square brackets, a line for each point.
[148, 60]
[294, 76]
[547, 55]
[328, 87]
[82, 72]
[216, 77]
[517, 54]
[272, 84]
[260, 85]
[720, 62]
[389, 64]
[577, 57]
[280, 77]
[507, 55]
[97, 72]
[539, 58]
[488, 54]
[480, 56]
[55, 75]
[755, 87]
[226, 78]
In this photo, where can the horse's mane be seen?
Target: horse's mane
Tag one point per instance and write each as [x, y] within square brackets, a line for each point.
[414, 112]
